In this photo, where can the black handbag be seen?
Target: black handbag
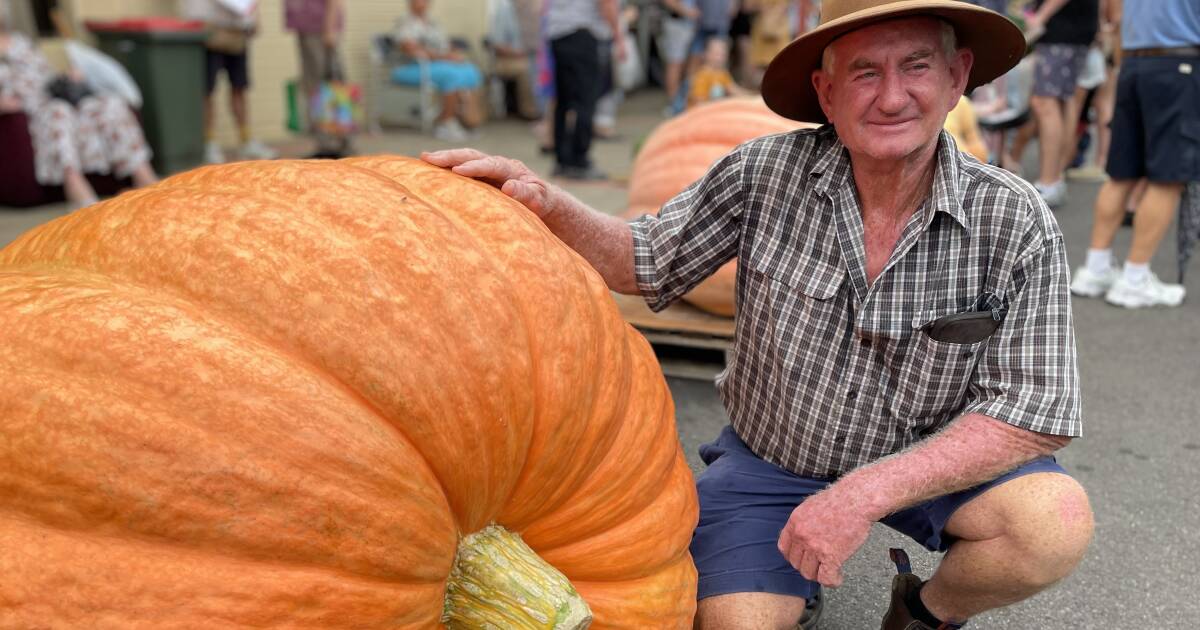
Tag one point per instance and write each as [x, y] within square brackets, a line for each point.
[66, 89]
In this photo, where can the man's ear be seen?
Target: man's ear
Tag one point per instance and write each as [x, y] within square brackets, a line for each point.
[823, 85]
[960, 69]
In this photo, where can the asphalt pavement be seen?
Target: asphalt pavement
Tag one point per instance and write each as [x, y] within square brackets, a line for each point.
[1139, 458]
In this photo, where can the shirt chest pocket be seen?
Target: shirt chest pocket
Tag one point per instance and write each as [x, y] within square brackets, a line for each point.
[931, 376]
[792, 307]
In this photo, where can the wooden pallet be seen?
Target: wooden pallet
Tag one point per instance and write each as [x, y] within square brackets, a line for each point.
[681, 326]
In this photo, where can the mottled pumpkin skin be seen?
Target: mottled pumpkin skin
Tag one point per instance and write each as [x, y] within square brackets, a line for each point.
[277, 393]
[680, 151]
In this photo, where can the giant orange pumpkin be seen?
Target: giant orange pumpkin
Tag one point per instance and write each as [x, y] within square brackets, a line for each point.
[287, 393]
[680, 151]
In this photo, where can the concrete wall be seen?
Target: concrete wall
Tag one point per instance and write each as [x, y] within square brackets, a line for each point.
[273, 56]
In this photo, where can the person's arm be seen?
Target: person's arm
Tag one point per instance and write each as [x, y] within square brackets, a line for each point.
[659, 257]
[1049, 8]
[606, 242]
[610, 10]
[332, 22]
[1022, 403]
[830, 526]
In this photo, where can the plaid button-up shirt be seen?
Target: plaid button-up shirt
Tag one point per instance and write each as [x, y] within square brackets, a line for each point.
[828, 372]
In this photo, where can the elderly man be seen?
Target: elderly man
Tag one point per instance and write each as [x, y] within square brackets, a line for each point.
[904, 351]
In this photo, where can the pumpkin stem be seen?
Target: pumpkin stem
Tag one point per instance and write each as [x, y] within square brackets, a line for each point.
[499, 582]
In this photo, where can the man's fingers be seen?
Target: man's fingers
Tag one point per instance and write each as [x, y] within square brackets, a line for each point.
[829, 574]
[809, 566]
[451, 157]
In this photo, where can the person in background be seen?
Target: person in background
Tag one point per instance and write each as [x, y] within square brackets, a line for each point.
[575, 29]
[318, 26]
[227, 49]
[97, 134]
[962, 124]
[712, 81]
[1064, 30]
[1155, 128]
[512, 54]
[713, 22]
[674, 42]
[421, 39]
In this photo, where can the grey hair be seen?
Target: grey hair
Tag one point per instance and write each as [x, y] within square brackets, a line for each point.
[949, 46]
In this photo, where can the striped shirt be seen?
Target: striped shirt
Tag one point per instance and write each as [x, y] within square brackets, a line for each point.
[828, 373]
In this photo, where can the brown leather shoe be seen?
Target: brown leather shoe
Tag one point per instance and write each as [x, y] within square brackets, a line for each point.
[812, 612]
[905, 582]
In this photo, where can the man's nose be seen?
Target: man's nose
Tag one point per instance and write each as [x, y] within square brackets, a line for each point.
[893, 96]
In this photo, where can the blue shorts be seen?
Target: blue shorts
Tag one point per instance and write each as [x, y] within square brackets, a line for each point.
[447, 76]
[745, 502]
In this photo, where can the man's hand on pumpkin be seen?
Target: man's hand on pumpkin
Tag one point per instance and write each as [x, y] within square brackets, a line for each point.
[511, 176]
[821, 534]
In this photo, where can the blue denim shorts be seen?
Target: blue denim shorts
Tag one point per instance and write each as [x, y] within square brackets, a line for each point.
[745, 502]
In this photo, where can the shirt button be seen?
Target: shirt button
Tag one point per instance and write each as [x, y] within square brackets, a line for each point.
[852, 394]
[866, 343]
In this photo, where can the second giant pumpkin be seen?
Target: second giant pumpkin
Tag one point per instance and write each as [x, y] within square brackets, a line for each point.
[680, 151]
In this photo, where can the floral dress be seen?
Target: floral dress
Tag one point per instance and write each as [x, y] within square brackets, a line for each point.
[99, 135]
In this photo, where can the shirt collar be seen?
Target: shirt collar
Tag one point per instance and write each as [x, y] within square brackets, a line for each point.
[832, 169]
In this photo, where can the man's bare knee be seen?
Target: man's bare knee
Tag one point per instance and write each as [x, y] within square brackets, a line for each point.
[748, 611]
[1051, 531]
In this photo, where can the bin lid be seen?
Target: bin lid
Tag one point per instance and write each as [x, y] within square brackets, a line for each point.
[153, 24]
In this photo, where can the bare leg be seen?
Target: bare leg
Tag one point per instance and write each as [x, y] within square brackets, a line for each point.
[1049, 114]
[77, 189]
[1012, 159]
[1154, 215]
[673, 77]
[1108, 211]
[1070, 144]
[1014, 541]
[237, 104]
[472, 108]
[449, 107]
[1105, 101]
[144, 175]
[749, 611]
[208, 116]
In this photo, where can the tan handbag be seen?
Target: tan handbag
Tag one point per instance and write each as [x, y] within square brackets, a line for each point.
[230, 41]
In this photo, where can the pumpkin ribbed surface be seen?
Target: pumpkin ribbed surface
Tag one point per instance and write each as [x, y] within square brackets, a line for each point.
[680, 151]
[279, 393]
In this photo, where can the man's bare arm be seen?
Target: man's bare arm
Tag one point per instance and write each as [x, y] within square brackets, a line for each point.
[825, 530]
[969, 451]
[606, 242]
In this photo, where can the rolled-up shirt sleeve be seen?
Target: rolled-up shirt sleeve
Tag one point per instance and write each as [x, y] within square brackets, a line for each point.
[1028, 376]
[693, 234]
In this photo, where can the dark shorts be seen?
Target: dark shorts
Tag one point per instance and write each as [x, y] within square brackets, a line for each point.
[233, 65]
[1057, 69]
[745, 502]
[1156, 120]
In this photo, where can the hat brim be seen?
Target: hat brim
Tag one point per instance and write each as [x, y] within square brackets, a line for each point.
[997, 42]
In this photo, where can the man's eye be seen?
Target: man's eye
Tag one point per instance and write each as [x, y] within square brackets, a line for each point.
[919, 66]
[868, 75]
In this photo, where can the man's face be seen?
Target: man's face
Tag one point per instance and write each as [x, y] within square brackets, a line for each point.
[890, 87]
[418, 7]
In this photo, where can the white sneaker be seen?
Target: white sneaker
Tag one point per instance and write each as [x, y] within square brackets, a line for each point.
[450, 131]
[255, 150]
[213, 153]
[1085, 283]
[1151, 292]
[1055, 194]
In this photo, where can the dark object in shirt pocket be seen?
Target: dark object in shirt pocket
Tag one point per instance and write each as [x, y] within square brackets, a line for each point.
[965, 328]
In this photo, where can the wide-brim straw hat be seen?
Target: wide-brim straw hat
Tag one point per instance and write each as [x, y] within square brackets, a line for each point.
[787, 87]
